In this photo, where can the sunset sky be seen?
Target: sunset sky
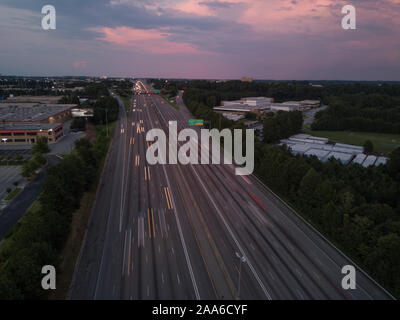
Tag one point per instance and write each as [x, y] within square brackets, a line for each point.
[263, 39]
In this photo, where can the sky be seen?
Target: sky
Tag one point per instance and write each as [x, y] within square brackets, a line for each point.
[215, 39]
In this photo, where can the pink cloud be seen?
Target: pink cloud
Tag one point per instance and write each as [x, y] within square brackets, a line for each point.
[151, 40]
[79, 64]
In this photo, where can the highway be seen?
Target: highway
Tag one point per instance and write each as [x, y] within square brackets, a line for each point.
[178, 231]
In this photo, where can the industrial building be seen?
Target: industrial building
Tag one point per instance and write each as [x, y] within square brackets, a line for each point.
[260, 105]
[284, 107]
[233, 117]
[27, 133]
[308, 145]
[240, 108]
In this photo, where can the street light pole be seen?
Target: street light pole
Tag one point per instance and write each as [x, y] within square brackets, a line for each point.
[107, 123]
[241, 259]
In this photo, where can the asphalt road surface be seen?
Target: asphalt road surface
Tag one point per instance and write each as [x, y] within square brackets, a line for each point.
[178, 231]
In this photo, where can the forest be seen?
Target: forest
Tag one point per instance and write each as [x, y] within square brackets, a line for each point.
[371, 112]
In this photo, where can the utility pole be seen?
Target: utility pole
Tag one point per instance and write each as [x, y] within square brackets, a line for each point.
[107, 123]
[242, 259]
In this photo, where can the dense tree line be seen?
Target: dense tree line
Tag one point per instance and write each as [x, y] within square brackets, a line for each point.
[358, 208]
[105, 107]
[40, 236]
[280, 90]
[282, 125]
[361, 112]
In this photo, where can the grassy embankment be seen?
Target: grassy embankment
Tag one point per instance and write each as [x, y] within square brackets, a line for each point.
[171, 101]
[13, 194]
[79, 223]
[383, 143]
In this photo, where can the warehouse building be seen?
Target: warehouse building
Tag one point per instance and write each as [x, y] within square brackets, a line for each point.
[344, 158]
[369, 161]
[381, 160]
[307, 145]
[359, 158]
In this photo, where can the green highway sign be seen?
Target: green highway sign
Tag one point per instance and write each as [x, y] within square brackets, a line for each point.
[157, 91]
[194, 122]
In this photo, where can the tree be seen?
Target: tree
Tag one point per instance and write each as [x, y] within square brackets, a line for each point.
[368, 146]
[28, 168]
[386, 263]
[309, 184]
[41, 145]
[394, 162]
[250, 115]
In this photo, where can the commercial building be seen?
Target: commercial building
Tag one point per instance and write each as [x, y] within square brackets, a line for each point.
[233, 117]
[257, 101]
[27, 133]
[240, 108]
[284, 107]
[260, 105]
[23, 123]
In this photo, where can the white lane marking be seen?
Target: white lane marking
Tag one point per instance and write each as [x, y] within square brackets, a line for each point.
[188, 262]
[177, 277]
[123, 258]
[162, 277]
[300, 294]
[271, 275]
[233, 237]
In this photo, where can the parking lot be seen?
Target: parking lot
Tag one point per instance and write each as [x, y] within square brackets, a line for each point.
[25, 153]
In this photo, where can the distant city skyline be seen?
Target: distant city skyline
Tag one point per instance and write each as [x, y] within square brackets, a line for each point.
[211, 39]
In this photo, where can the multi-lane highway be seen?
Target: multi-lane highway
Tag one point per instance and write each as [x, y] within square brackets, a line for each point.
[178, 231]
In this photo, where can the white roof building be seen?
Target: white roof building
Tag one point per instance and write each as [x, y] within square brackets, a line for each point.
[359, 158]
[381, 160]
[342, 157]
[369, 161]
